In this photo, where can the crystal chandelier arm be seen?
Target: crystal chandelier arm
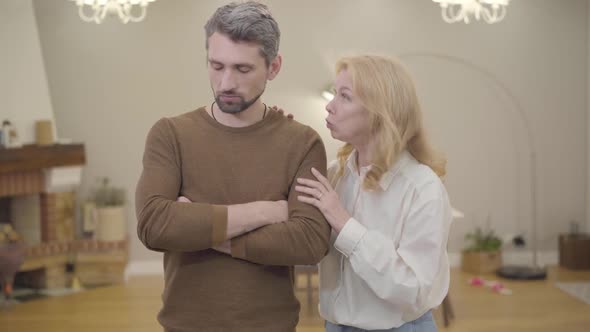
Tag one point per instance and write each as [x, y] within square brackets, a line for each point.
[453, 13]
[126, 10]
[84, 16]
[490, 11]
[100, 12]
[123, 11]
[142, 15]
[493, 13]
[503, 13]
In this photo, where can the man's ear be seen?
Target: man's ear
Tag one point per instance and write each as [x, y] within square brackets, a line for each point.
[275, 67]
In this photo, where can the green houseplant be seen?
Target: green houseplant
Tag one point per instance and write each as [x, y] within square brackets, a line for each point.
[104, 194]
[483, 252]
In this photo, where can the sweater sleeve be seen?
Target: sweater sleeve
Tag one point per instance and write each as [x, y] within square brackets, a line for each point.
[162, 223]
[301, 240]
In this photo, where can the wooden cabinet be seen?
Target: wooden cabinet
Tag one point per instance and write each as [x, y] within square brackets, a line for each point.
[574, 251]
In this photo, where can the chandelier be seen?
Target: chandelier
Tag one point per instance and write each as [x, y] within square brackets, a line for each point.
[127, 10]
[491, 11]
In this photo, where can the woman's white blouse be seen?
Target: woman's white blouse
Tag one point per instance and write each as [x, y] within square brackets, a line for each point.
[389, 264]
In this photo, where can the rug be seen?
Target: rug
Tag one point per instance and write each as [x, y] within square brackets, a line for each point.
[579, 290]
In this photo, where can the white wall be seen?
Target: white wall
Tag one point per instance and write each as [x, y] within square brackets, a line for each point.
[111, 82]
[24, 95]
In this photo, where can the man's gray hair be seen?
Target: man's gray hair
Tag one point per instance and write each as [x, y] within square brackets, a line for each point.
[248, 21]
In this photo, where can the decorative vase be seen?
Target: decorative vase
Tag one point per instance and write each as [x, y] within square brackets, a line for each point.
[111, 223]
[481, 262]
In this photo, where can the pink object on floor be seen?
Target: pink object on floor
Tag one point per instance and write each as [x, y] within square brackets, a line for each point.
[495, 286]
[476, 281]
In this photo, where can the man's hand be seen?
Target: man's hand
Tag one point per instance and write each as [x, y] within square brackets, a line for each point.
[183, 199]
[273, 212]
[225, 247]
[243, 218]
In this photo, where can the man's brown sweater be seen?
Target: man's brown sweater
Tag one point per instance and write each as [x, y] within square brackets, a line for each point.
[214, 166]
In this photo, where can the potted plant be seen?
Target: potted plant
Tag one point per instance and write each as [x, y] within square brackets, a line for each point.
[106, 212]
[483, 253]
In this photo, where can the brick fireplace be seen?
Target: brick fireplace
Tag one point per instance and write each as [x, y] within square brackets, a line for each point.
[37, 197]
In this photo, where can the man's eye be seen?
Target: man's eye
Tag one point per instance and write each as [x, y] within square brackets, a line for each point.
[244, 70]
[215, 66]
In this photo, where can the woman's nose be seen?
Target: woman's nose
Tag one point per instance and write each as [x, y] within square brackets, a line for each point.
[330, 107]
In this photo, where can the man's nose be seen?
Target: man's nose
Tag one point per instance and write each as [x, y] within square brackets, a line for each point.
[228, 81]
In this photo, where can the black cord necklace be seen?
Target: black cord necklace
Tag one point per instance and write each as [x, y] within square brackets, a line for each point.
[213, 114]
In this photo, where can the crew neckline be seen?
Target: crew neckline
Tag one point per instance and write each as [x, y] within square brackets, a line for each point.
[202, 111]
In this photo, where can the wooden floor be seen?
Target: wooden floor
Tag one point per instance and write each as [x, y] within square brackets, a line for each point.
[534, 306]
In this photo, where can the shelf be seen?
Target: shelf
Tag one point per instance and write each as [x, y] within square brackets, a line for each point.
[41, 262]
[35, 157]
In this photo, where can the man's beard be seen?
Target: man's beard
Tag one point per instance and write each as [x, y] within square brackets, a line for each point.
[235, 107]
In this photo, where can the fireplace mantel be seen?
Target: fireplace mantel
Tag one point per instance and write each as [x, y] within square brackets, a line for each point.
[34, 157]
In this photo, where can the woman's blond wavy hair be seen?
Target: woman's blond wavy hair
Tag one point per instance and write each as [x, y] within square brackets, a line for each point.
[386, 90]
